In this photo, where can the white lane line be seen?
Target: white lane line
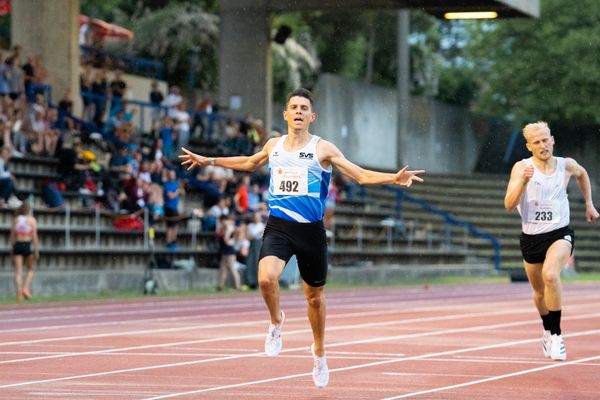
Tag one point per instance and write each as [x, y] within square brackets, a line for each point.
[262, 312]
[359, 295]
[262, 322]
[260, 335]
[367, 365]
[301, 304]
[203, 306]
[498, 377]
[371, 340]
[444, 374]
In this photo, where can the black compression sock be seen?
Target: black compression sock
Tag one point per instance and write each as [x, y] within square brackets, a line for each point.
[555, 322]
[546, 321]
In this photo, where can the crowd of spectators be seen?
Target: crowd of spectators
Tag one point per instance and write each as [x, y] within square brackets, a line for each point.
[106, 159]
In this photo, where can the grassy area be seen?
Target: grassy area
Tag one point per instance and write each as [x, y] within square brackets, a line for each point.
[448, 280]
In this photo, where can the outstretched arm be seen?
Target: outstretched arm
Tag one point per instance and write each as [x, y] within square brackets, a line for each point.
[583, 181]
[332, 155]
[238, 163]
[519, 178]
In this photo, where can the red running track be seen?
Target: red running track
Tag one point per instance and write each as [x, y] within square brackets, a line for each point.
[443, 342]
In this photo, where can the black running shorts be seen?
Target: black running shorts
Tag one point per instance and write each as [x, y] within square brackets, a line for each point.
[22, 249]
[283, 238]
[535, 247]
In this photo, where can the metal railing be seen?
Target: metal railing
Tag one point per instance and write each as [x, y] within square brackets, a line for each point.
[401, 196]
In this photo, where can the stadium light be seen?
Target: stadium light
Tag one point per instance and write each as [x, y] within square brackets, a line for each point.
[471, 15]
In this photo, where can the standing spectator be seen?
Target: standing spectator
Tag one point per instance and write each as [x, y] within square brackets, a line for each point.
[25, 249]
[172, 100]
[254, 231]
[182, 124]
[254, 197]
[241, 195]
[330, 203]
[16, 82]
[202, 110]
[171, 191]
[40, 75]
[4, 77]
[28, 78]
[156, 98]
[118, 88]
[165, 133]
[99, 90]
[226, 236]
[8, 191]
[86, 80]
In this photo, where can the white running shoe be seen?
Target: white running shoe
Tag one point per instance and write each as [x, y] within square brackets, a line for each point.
[558, 350]
[320, 373]
[273, 342]
[546, 343]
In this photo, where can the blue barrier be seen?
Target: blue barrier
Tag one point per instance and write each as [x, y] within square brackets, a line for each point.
[137, 65]
[162, 110]
[401, 196]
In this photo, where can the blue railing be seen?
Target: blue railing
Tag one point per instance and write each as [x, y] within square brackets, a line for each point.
[136, 65]
[401, 196]
[161, 110]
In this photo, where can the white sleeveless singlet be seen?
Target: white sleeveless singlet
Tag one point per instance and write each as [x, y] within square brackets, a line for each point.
[544, 205]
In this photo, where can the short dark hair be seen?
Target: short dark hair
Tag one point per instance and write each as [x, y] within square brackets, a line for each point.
[300, 92]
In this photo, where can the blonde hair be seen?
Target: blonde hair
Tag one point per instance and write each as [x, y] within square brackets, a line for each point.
[534, 126]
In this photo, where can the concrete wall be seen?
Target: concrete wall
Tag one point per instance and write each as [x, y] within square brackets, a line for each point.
[51, 283]
[362, 121]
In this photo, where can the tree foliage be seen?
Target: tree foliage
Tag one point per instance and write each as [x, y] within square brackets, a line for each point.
[547, 68]
[170, 31]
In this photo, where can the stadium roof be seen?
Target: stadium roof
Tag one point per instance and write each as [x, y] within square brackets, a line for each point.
[504, 8]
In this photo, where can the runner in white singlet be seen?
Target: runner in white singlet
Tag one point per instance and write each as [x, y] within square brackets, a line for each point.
[537, 188]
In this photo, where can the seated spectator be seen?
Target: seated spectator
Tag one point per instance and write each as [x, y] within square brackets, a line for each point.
[71, 165]
[214, 213]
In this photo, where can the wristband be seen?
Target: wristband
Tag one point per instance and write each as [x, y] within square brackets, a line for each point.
[524, 181]
[212, 160]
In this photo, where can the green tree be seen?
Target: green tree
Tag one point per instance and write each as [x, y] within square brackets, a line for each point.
[547, 68]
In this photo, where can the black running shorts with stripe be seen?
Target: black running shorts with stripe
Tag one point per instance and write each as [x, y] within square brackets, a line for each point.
[535, 247]
[283, 238]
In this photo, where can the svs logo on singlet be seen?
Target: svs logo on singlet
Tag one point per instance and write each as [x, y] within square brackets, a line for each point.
[306, 156]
